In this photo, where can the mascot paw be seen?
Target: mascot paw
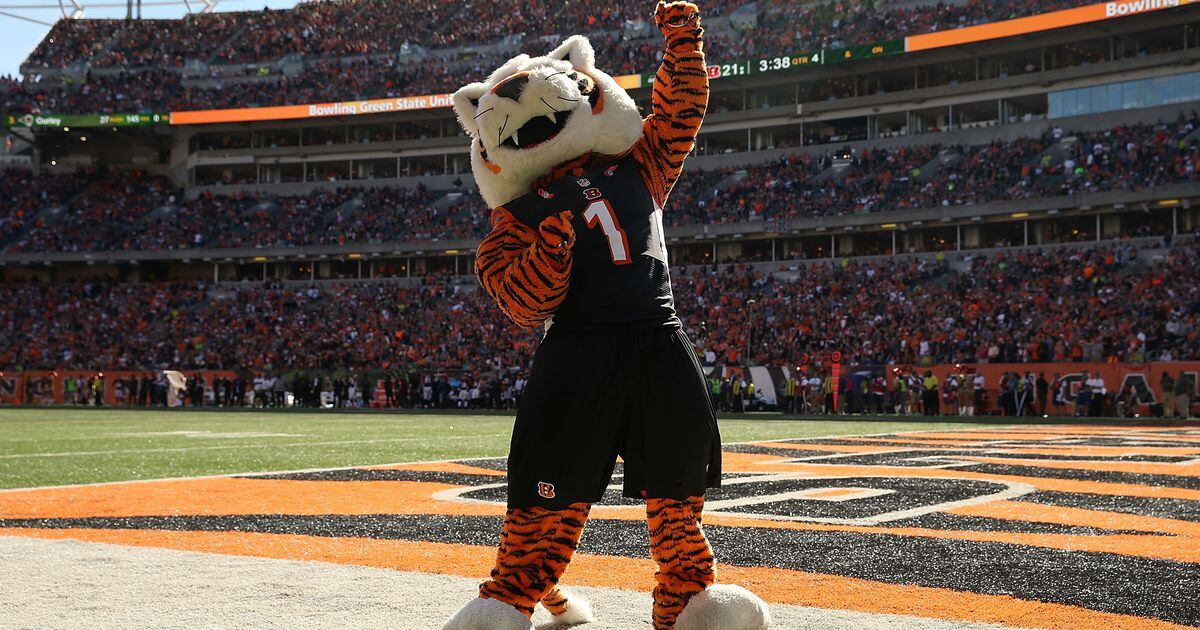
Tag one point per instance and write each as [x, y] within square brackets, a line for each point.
[724, 607]
[578, 611]
[673, 15]
[488, 614]
[556, 232]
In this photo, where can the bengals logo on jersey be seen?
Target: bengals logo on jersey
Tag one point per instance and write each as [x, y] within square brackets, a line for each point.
[545, 490]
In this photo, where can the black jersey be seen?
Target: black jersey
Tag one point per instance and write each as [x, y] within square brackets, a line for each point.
[619, 275]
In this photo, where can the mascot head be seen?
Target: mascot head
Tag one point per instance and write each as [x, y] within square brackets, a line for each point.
[536, 112]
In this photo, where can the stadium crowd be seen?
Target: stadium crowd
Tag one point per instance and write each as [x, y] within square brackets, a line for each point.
[379, 326]
[138, 212]
[1030, 306]
[346, 58]
[1026, 306]
[132, 211]
[1128, 157]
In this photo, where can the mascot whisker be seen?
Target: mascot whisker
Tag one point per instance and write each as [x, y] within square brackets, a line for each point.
[577, 181]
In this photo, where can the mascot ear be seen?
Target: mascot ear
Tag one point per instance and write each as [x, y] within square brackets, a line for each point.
[466, 105]
[578, 51]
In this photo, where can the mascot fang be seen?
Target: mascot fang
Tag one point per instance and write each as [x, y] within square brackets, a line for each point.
[577, 181]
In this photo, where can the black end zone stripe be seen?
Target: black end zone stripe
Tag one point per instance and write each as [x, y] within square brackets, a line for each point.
[1079, 474]
[1113, 583]
[1175, 509]
[491, 463]
[955, 522]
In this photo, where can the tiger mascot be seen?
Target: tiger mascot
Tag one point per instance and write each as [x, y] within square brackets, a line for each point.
[577, 181]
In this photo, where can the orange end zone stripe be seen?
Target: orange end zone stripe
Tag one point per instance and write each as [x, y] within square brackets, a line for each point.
[213, 497]
[1035, 23]
[775, 585]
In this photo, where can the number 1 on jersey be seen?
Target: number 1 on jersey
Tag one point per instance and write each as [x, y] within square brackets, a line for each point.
[618, 244]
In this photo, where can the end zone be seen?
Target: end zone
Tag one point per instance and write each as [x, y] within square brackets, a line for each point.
[1030, 526]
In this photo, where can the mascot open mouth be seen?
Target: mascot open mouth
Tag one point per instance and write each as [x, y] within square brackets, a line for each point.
[537, 130]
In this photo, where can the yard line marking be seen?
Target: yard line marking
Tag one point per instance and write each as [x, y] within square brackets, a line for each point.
[234, 446]
[210, 435]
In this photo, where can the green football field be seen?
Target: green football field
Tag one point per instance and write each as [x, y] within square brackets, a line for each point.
[40, 447]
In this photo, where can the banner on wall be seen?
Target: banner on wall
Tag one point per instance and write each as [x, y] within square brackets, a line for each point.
[10, 394]
[1142, 379]
[1039, 22]
[84, 388]
[770, 382]
[313, 110]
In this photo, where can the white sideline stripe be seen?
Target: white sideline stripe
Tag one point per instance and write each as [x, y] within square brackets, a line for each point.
[459, 459]
[59, 583]
[184, 449]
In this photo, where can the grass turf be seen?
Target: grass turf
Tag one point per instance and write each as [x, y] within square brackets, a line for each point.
[40, 447]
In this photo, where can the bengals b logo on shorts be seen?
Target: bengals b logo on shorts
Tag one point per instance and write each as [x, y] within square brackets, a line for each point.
[545, 490]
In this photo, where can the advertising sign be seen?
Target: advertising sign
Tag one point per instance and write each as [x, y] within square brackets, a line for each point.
[1041, 22]
[312, 110]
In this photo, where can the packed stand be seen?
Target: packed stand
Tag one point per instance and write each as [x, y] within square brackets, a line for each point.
[1028, 306]
[27, 195]
[436, 326]
[1034, 306]
[328, 32]
[132, 211]
[1129, 157]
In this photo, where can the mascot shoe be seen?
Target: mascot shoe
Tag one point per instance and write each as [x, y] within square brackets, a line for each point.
[724, 607]
[578, 611]
[488, 614]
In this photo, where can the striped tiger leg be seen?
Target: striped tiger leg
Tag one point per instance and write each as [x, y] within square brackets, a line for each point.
[685, 560]
[536, 545]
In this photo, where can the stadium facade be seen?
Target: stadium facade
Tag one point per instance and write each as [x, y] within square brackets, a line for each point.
[1123, 63]
[1055, 78]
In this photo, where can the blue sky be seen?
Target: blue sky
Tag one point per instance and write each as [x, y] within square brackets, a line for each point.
[21, 36]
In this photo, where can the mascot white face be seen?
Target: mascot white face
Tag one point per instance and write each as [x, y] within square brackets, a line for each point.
[536, 112]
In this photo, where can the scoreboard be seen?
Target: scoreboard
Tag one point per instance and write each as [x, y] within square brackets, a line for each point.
[799, 60]
[41, 121]
[763, 64]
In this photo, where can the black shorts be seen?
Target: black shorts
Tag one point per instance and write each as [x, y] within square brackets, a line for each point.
[594, 396]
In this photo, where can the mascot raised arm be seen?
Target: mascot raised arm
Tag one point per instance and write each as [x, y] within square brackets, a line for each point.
[577, 181]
